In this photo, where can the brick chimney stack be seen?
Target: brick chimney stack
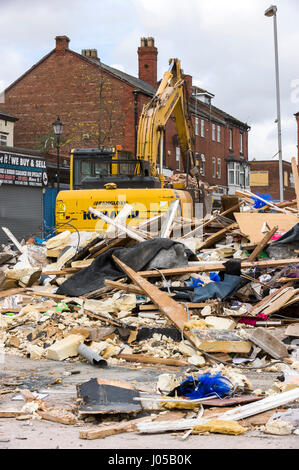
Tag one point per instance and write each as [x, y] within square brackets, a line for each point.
[147, 61]
[188, 81]
[62, 44]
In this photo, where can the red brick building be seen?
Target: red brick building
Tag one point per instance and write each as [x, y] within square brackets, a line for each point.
[100, 105]
[264, 178]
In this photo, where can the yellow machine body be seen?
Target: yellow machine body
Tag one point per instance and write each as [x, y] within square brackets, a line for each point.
[72, 206]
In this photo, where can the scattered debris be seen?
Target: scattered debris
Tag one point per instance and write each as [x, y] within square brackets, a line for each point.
[217, 295]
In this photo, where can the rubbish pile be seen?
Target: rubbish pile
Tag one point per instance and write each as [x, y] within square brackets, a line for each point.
[216, 301]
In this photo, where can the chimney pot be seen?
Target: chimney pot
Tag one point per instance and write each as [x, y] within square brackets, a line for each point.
[62, 43]
[90, 53]
[147, 61]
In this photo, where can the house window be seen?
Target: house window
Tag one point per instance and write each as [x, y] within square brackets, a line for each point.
[219, 167]
[214, 167]
[213, 131]
[3, 139]
[231, 173]
[178, 158]
[241, 142]
[218, 134]
[203, 165]
[196, 126]
[202, 127]
[231, 139]
[234, 173]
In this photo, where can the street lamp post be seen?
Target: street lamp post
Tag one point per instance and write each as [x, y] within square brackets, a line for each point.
[58, 130]
[271, 11]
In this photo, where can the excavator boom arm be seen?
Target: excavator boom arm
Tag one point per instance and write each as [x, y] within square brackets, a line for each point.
[168, 99]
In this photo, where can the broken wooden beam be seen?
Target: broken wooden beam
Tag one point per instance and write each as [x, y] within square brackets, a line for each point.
[273, 263]
[119, 226]
[142, 358]
[126, 287]
[116, 428]
[262, 243]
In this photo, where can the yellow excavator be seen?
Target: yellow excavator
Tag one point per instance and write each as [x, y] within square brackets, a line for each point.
[108, 178]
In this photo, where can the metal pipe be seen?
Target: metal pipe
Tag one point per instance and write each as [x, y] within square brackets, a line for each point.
[91, 356]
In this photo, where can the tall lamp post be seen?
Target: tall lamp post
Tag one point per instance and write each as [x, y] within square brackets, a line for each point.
[58, 130]
[271, 11]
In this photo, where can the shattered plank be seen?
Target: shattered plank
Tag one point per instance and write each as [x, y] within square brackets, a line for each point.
[126, 287]
[273, 263]
[58, 416]
[262, 243]
[142, 358]
[121, 227]
[166, 226]
[174, 311]
[117, 428]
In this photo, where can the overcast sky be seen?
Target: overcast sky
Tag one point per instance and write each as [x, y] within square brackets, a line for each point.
[227, 46]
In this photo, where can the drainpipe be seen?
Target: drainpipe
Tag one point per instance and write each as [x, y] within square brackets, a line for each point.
[135, 93]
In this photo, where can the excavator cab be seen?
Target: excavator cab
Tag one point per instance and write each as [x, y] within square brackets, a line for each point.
[94, 168]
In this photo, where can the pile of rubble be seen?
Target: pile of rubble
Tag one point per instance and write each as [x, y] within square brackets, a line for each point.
[217, 300]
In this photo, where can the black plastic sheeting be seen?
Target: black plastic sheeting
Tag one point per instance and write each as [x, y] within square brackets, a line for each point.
[284, 247]
[230, 283]
[160, 253]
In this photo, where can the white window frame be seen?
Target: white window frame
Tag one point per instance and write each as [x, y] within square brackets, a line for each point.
[214, 132]
[178, 158]
[218, 133]
[214, 167]
[203, 164]
[196, 126]
[241, 142]
[230, 138]
[219, 168]
[234, 173]
[242, 176]
[3, 139]
[202, 128]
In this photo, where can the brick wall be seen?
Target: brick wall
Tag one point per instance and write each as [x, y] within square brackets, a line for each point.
[94, 105]
[272, 169]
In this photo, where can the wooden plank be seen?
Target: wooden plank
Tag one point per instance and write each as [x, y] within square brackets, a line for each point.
[219, 267]
[264, 305]
[166, 226]
[296, 180]
[58, 416]
[126, 287]
[251, 223]
[262, 243]
[174, 311]
[10, 413]
[97, 252]
[9, 292]
[190, 305]
[249, 194]
[223, 214]
[121, 227]
[212, 239]
[116, 428]
[142, 358]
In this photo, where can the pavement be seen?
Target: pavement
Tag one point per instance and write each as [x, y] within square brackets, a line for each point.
[43, 376]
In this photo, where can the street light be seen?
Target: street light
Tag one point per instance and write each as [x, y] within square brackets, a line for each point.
[271, 11]
[58, 130]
